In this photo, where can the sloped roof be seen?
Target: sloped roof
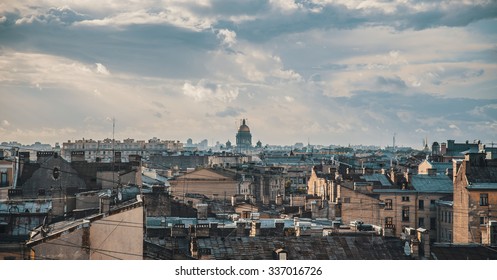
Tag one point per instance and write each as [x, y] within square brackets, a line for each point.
[463, 252]
[382, 178]
[482, 186]
[441, 166]
[432, 183]
[363, 247]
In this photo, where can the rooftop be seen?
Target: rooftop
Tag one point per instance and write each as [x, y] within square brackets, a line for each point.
[363, 247]
[432, 183]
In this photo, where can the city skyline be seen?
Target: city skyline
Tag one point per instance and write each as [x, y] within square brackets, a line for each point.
[319, 72]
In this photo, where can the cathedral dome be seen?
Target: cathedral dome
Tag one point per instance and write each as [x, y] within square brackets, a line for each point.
[244, 127]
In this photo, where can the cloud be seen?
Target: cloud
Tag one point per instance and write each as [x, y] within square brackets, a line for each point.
[227, 37]
[395, 82]
[343, 70]
[230, 112]
[5, 123]
[208, 91]
[102, 69]
[453, 126]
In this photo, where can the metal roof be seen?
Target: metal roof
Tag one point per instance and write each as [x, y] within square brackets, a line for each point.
[432, 183]
[379, 178]
[482, 186]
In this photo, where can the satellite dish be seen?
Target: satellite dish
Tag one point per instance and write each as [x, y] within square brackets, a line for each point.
[119, 195]
[407, 249]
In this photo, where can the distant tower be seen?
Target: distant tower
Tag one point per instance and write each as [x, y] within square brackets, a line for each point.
[394, 150]
[435, 149]
[425, 144]
[243, 138]
[228, 145]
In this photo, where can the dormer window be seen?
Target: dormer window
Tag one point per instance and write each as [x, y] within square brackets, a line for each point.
[56, 173]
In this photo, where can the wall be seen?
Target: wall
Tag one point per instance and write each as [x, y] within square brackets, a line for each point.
[397, 206]
[43, 177]
[65, 247]
[461, 206]
[358, 206]
[206, 182]
[118, 236]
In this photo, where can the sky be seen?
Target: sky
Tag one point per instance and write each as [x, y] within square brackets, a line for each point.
[317, 71]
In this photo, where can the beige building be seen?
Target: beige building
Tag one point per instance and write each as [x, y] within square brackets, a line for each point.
[375, 199]
[113, 235]
[214, 184]
[445, 220]
[103, 150]
[475, 198]
[431, 168]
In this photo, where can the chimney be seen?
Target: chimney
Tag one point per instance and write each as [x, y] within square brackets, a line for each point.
[104, 203]
[194, 248]
[393, 176]
[423, 236]
[240, 229]
[456, 164]
[408, 177]
[42, 156]
[443, 149]
[280, 228]
[202, 211]
[255, 230]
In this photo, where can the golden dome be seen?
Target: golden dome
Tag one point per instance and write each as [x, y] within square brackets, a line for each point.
[244, 127]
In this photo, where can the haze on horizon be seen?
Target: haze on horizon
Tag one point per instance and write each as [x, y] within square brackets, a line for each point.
[325, 71]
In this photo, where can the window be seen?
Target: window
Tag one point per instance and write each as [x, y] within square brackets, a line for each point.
[433, 223]
[388, 222]
[483, 220]
[484, 199]
[56, 173]
[421, 204]
[405, 198]
[388, 204]
[346, 200]
[421, 222]
[3, 180]
[405, 214]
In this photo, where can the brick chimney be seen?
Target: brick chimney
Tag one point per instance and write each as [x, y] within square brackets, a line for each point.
[255, 230]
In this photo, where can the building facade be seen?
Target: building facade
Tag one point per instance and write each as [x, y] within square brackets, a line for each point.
[475, 200]
[104, 150]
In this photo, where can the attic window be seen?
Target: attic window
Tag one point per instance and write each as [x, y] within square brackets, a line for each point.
[56, 173]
